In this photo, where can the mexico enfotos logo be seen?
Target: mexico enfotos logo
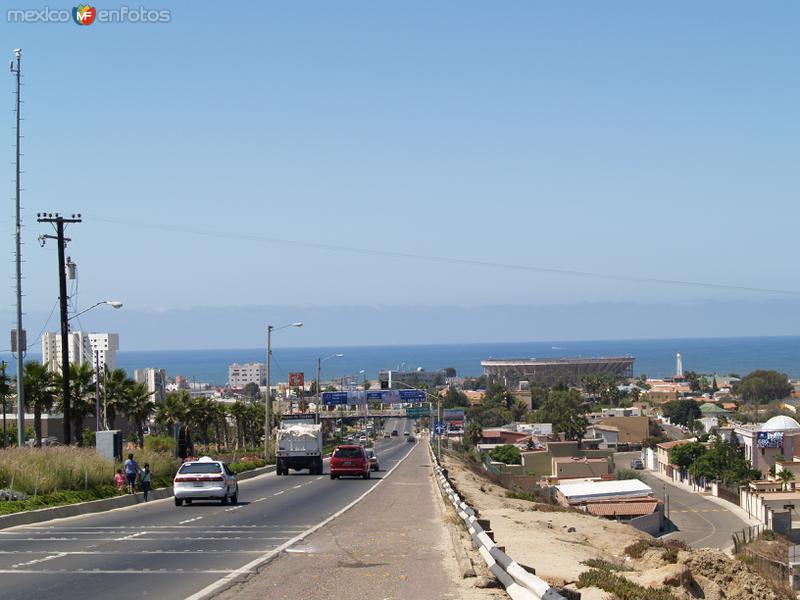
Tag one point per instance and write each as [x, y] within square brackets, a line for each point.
[85, 15]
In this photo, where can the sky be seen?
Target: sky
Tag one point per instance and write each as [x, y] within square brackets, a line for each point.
[375, 166]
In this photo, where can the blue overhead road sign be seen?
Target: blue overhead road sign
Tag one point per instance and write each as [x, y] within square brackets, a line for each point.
[412, 396]
[334, 398]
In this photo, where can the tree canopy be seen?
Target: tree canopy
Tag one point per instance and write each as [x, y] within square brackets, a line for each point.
[507, 454]
[761, 387]
[682, 412]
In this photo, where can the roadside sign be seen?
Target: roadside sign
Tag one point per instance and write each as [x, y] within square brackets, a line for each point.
[296, 380]
[417, 411]
[412, 396]
[439, 428]
[334, 398]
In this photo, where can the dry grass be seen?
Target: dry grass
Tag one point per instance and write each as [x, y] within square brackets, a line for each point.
[51, 469]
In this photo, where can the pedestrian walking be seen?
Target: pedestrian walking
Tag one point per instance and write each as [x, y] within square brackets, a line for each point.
[119, 480]
[144, 479]
[131, 468]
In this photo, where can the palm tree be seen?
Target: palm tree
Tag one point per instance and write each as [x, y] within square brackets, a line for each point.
[474, 433]
[239, 412]
[137, 406]
[81, 396]
[5, 391]
[785, 476]
[174, 409]
[40, 393]
[114, 384]
[201, 415]
[221, 424]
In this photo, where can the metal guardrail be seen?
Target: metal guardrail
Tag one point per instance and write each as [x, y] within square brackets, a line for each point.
[519, 583]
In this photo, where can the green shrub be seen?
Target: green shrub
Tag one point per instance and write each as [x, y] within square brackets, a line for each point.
[621, 587]
[507, 454]
[768, 535]
[44, 470]
[628, 474]
[639, 547]
[604, 565]
[160, 443]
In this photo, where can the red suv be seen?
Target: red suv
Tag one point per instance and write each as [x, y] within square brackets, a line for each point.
[349, 460]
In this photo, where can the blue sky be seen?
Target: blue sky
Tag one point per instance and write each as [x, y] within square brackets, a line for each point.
[627, 138]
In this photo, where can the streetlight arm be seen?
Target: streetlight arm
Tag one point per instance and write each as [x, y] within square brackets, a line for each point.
[112, 303]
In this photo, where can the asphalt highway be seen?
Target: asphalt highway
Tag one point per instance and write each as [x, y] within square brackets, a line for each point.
[158, 550]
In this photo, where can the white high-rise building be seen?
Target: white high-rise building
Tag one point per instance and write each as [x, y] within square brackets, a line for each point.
[82, 348]
[240, 375]
[679, 367]
[155, 380]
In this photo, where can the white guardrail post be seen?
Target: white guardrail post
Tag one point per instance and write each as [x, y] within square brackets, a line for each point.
[519, 583]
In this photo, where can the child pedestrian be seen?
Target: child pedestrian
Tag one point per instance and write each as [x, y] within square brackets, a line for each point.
[145, 481]
[119, 480]
[131, 469]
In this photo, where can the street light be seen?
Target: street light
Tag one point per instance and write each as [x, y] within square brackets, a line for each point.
[319, 367]
[65, 374]
[268, 400]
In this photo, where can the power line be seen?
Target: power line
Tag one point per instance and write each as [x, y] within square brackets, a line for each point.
[444, 259]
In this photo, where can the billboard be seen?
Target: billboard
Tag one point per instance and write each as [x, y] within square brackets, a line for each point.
[296, 380]
[770, 439]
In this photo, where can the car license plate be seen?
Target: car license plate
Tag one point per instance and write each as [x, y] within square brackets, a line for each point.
[348, 463]
[198, 484]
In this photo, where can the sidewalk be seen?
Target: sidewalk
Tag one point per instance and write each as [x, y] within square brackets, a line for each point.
[392, 545]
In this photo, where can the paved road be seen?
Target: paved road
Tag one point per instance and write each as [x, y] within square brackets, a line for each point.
[158, 550]
[699, 522]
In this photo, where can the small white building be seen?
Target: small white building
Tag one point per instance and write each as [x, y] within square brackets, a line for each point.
[602, 490]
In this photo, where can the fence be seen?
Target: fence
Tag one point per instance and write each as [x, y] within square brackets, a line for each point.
[519, 583]
[731, 494]
[746, 536]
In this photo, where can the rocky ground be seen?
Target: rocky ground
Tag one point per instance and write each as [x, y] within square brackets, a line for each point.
[558, 542]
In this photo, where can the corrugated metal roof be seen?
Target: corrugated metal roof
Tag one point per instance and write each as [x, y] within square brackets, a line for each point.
[621, 509]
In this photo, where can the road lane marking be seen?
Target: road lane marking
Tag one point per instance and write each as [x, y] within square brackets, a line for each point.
[278, 493]
[210, 590]
[297, 487]
[234, 508]
[259, 500]
[130, 537]
[39, 560]
[190, 520]
[116, 571]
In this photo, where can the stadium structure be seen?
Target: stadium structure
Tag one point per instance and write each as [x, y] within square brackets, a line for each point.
[548, 371]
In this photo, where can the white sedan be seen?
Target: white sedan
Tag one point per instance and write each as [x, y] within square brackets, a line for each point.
[205, 479]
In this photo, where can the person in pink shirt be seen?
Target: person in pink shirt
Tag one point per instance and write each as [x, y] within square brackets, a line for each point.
[119, 480]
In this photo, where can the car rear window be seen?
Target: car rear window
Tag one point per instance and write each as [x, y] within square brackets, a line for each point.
[347, 453]
[370, 453]
[200, 468]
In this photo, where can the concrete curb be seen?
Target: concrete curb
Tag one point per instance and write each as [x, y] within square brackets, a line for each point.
[519, 583]
[95, 506]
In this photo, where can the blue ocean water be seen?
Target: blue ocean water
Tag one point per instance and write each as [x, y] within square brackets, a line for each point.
[656, 358]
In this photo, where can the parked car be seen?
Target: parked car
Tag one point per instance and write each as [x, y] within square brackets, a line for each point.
[636, 463]
[373, 459]
[205, 479]
[349, 460]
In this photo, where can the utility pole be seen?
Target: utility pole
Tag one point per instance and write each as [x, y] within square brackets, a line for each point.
[19, 334]
[59, 222]
[268, 400]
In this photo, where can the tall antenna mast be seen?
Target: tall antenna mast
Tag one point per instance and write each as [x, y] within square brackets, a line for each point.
[19, 334]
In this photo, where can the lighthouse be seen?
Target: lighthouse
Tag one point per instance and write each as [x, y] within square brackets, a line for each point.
[679, 367]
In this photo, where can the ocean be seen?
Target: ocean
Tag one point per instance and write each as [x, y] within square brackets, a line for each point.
[655, 358]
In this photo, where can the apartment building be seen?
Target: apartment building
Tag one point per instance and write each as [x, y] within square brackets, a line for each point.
[94, 348]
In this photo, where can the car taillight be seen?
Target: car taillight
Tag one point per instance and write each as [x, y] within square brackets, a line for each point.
[183, 479]
[217, 478]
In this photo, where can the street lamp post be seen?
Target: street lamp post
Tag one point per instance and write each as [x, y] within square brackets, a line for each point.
[438, 410]
[319, 368]
[268, 399]
[65, 370]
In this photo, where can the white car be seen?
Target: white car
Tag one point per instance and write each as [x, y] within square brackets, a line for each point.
[205, 479]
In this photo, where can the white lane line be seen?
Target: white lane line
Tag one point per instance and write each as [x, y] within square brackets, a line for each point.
[234, 508]
[39, 560]
[297, 487]
[115, 571]
[278, 493]
[210, 590]
[189, 520]
[259, 500]
[318, 478]
[127, 552]
[130, 537]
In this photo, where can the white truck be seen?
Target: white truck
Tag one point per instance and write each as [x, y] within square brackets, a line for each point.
[299, 447]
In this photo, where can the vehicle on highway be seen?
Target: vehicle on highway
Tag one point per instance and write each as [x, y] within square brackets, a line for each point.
[406, 433]
[394, 431]
[373, 459]
[205, 479]
[362, 440]
[351, 461]
[299, 447]
[411, 439]
[636, 463]
[385, 435]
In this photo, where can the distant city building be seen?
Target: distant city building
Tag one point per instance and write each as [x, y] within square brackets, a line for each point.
[389, 379]
[155, 380]
[240, 375]
[94, 348]
[679, 367]
[548, 371]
